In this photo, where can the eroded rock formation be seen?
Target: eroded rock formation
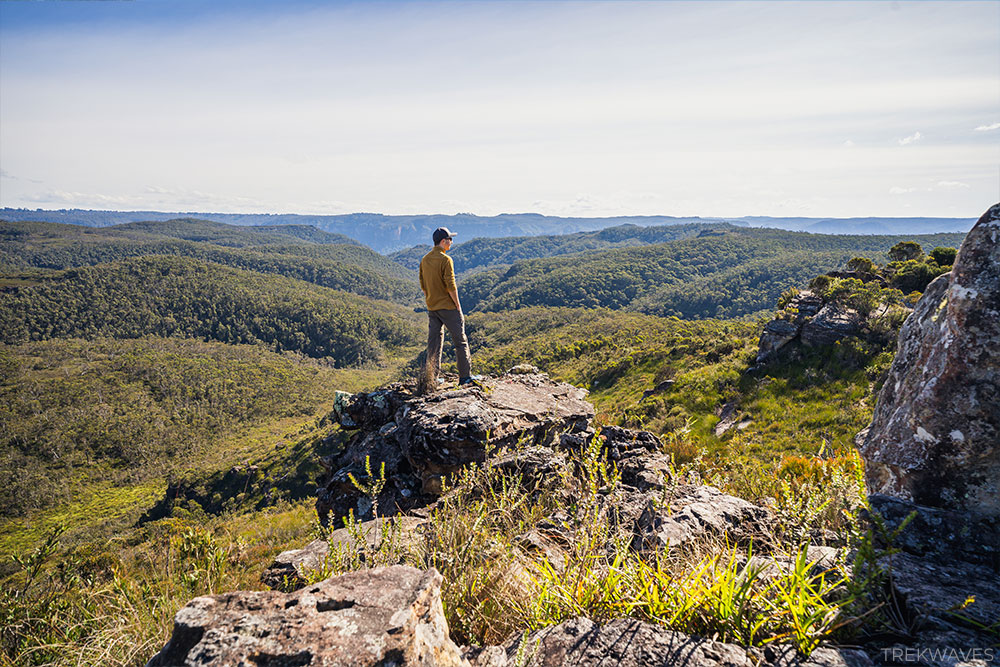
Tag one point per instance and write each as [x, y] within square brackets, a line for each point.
[808, 318]
[422, 439]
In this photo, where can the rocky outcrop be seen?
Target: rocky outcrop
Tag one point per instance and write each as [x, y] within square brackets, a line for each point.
[932, 461]
[938, 534]
[784, 329]
[386, 616]
[422, 439]
[935, 434]
[579, 642]
[729, 418]
[810, 319]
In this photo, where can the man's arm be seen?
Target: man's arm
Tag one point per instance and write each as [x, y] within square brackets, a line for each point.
[449, 281]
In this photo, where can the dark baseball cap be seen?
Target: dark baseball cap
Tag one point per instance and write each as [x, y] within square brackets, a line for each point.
[442, 233]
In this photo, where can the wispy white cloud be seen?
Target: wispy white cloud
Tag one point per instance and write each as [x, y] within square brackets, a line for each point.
[896, 190]
[913, 138]
[988, 128]
[84, 199]
[6, 174]
[848, 144]
[952, 185]
[152, 198]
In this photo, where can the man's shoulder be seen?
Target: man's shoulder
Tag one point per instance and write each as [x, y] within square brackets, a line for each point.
[435, 256]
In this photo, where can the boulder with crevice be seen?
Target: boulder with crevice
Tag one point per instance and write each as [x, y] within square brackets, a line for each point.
[384, 616]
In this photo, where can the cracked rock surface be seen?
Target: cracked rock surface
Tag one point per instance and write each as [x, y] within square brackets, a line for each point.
[373, 617]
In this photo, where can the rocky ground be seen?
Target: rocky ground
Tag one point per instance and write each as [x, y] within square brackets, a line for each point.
[936, 489]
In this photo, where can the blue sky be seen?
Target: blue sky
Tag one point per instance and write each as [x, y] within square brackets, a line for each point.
[564, 108]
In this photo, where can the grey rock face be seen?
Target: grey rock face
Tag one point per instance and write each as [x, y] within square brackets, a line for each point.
[776, 334]
[421, 440]
[374, 617]
[934, 593]
[935, 435]
[579, 642]
[830, 324]
[938, 534]
[812, 321]
[440, 434]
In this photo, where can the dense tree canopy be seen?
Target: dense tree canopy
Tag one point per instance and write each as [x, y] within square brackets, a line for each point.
[346, 266]
[738, 273]
[173, 296]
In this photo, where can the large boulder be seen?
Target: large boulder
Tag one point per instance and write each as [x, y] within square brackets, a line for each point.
[374, 617]
[442, 433]
[935, 434]
[832, 323]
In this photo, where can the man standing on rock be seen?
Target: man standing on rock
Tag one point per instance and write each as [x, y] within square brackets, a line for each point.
[437, 280]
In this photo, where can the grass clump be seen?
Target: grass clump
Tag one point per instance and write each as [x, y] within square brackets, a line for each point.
[518, 556]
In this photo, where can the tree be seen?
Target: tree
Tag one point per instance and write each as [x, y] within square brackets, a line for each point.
[943, 256]
[906, 250]
[861, 265]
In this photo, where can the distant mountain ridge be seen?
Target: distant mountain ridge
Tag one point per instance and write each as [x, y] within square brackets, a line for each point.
[388, 233]
[479, 253]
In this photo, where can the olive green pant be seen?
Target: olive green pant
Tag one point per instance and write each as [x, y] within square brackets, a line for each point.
[455, 321]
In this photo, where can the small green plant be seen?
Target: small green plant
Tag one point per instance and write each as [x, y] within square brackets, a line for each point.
[373, 489]
[807, 603]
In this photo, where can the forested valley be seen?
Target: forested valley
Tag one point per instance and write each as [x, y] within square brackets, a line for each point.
[166, 388]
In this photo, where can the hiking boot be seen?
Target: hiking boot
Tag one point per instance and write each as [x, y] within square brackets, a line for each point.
[472, 379]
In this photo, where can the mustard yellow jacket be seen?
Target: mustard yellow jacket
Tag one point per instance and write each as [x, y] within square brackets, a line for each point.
[437, 277]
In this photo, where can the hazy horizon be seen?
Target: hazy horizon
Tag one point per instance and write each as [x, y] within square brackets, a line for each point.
[573, 109]
[503, 213]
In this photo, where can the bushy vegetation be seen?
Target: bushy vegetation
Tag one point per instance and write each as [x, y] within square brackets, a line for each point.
[739, 273]
[125, 411]
[172, 296]
[673, 377]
